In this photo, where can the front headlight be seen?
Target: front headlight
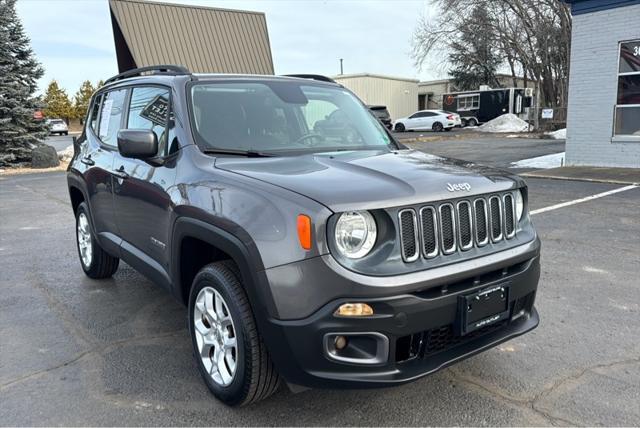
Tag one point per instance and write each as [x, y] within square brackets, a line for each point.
[519, 204]
[355, 234]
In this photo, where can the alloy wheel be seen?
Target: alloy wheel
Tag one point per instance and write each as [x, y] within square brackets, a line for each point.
[84, 240]
[215, 336]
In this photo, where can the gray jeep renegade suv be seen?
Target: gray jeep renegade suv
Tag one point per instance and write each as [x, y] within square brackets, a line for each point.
[307, 243]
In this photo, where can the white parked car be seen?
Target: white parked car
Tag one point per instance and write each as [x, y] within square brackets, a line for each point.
[58, 126]
[435, 120]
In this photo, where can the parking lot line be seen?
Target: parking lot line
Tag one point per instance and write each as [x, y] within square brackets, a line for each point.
[588, 198]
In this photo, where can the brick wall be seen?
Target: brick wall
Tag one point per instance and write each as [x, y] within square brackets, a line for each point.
[593, 88]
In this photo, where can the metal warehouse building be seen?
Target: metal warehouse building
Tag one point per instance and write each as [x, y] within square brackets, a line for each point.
[603, 123]
[399, 94]
[203, 39]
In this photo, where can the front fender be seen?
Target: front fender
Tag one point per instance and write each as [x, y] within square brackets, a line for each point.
[241, 249]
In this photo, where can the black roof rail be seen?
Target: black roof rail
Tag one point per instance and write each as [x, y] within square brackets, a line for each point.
[312, 76]
[168, 69]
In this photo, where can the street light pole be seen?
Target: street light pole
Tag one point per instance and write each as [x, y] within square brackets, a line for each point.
[341, 71]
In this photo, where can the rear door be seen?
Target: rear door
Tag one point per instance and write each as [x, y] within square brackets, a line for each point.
[143, 206]
[428, 120]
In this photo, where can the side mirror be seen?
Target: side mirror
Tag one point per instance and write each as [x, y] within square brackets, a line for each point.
[137, 143]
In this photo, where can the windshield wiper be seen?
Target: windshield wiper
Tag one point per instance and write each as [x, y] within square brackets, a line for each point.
[247, 153]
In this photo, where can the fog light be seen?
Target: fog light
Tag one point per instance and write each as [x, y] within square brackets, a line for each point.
[340, 342]
[354, 310]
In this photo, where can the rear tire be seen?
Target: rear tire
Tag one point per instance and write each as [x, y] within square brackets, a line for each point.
[400, 127]
[244, 373]
[96, 263]
[437, 127]
[472, 122]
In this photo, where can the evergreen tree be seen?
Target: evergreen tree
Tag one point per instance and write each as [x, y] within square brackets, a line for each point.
[19, 72]
[82, 98]
[57, 103]
[475, 56]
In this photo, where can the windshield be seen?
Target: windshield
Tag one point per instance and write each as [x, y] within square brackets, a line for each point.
[282, 116]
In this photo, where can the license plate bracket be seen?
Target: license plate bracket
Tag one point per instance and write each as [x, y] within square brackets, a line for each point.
[483, 308]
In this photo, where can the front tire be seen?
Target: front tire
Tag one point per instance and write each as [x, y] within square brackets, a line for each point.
[400, 127]
[472, 122]
[96, 263]
[230, 353]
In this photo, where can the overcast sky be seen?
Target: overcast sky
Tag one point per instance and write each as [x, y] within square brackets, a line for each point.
[74, 41]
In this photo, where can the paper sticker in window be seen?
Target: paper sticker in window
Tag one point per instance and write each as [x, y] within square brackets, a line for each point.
[104, 118]
[156, 110]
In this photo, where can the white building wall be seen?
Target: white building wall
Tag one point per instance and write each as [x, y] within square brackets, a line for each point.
[593, 85]
[398, 94]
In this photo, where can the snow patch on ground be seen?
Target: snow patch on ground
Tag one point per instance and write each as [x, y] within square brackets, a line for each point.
[66, 154]
[506, 123]
[542, 162]
[560, 134]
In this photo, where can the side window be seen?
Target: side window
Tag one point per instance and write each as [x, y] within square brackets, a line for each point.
[93, 115]
[429, 114]
[149, 109]
[110, 116]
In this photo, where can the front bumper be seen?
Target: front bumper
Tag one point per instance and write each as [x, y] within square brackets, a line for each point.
[418, 327]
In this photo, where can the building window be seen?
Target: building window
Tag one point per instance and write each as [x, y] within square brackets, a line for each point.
[627, 112]
[468, 102]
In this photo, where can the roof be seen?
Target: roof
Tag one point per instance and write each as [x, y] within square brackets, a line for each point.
[167, 77]
[578, 7]
[203, 39]
[376, 76]
[450, 80]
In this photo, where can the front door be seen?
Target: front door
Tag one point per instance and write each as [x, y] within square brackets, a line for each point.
[143, 206]
[97, 156]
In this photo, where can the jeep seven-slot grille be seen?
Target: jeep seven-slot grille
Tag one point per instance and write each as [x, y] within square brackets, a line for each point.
[445, 228]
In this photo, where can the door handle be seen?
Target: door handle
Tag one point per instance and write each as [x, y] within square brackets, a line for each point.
[87, 160]
[120, 173]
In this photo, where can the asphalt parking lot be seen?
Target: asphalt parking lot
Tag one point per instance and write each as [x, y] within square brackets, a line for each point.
[75, 351]
[488, 149]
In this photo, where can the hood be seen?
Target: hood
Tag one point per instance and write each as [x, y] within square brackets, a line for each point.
[371, 179]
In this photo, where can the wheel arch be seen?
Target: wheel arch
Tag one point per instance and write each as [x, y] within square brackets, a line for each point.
[77, 197]
[191, 235]
[77, 190]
